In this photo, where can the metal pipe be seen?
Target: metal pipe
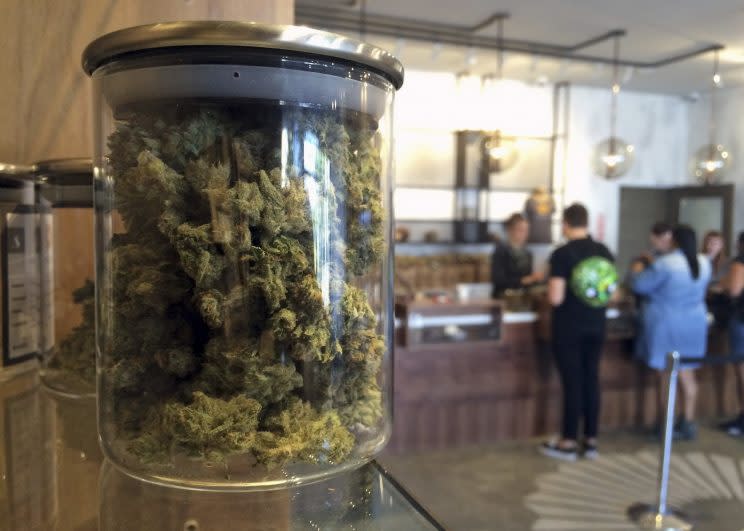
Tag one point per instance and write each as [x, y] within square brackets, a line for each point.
[598, 39]
[363, 20]
[342, 3]
[423, 31]
[339, 19]
[666, 451]
[496, 17]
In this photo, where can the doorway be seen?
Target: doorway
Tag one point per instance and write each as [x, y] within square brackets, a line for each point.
[702, 207]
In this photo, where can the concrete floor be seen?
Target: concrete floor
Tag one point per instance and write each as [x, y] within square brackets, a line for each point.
[510, 487]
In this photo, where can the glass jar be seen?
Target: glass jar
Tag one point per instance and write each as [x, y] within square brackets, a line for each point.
[20, 263]
[243, 228]
[77, 459]
[27, 459]
[65, 204]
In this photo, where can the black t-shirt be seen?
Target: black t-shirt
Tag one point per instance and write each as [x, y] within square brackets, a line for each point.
[739, 301]
[573, 314]
[508, 267]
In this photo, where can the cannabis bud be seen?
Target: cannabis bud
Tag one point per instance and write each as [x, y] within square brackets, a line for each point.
[72, 365]
[236, 326]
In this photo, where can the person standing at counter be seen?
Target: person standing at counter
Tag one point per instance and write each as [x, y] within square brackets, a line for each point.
[733, 285]
[578, 331]
[660, 239]
[714, 249]
[719, 302]
[675, 315]
[511, 263]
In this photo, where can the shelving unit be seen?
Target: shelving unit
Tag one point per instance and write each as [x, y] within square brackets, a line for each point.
[472, 177]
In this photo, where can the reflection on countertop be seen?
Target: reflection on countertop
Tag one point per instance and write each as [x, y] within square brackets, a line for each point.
[54, 477]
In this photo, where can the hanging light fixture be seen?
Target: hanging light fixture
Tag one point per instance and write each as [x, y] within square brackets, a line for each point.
[711, 161]
[502, 152]
[613, 157]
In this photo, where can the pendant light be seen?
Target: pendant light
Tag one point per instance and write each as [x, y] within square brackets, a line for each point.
[711, 161]
[502, 152]
[613, 157]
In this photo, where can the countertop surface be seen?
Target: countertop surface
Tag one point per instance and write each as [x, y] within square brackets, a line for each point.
[55, 478]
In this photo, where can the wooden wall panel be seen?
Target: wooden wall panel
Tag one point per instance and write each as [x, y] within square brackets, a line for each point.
[483, 392]
[45, 111]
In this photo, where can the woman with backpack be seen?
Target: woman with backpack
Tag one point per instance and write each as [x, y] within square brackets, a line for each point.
[675, 315]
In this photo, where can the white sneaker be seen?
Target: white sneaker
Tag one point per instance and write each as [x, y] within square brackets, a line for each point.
[551, 449]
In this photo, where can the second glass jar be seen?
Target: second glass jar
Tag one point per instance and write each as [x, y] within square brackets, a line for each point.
[65, 202]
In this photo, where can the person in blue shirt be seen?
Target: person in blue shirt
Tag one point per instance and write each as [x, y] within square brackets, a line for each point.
[675, 317]
[660, 240]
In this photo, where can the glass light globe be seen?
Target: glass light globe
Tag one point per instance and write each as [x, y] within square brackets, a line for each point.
[710, 163]
[502, 154]
[612, 158]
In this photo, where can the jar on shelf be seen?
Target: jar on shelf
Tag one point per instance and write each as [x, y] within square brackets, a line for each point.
[20, 263]
[243, 252]
[65, 204]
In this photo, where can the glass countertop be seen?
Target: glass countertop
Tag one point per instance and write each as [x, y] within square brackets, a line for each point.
[54, 478]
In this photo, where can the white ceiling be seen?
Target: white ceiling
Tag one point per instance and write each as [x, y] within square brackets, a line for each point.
[655, 29]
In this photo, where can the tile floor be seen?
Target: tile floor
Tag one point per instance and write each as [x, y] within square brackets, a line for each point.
[510, 487]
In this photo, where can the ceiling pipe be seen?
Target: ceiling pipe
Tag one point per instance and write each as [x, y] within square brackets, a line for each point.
[598, 39]
[342, 3]
[424, 31]
[317, 14]
[496, 17]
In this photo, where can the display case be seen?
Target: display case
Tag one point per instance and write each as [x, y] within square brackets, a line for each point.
[53, 477]
[27, 456]
[427, 322]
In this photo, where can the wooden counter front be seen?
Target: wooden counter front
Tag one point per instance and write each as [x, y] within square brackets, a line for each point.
[476, 392]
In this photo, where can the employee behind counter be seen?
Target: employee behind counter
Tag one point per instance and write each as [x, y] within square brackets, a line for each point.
[511, 263]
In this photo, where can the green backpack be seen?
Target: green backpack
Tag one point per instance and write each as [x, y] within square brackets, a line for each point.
[594, 280]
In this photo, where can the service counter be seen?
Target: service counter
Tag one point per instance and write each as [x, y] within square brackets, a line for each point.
[470, 373]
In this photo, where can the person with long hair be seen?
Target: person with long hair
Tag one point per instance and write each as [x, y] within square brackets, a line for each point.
[675, 316]
[733, 285]
[719, 302]
[715, 249]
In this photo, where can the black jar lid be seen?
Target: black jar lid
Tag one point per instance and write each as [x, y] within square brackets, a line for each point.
[246, 35]
[65, 172]
[15, 175]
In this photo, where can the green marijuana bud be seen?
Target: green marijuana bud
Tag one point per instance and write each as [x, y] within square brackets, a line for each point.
[234, 317]
[73, 364]
[298, 432]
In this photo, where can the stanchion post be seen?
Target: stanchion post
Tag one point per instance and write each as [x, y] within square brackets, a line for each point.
[659, 516]
[666, 449]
